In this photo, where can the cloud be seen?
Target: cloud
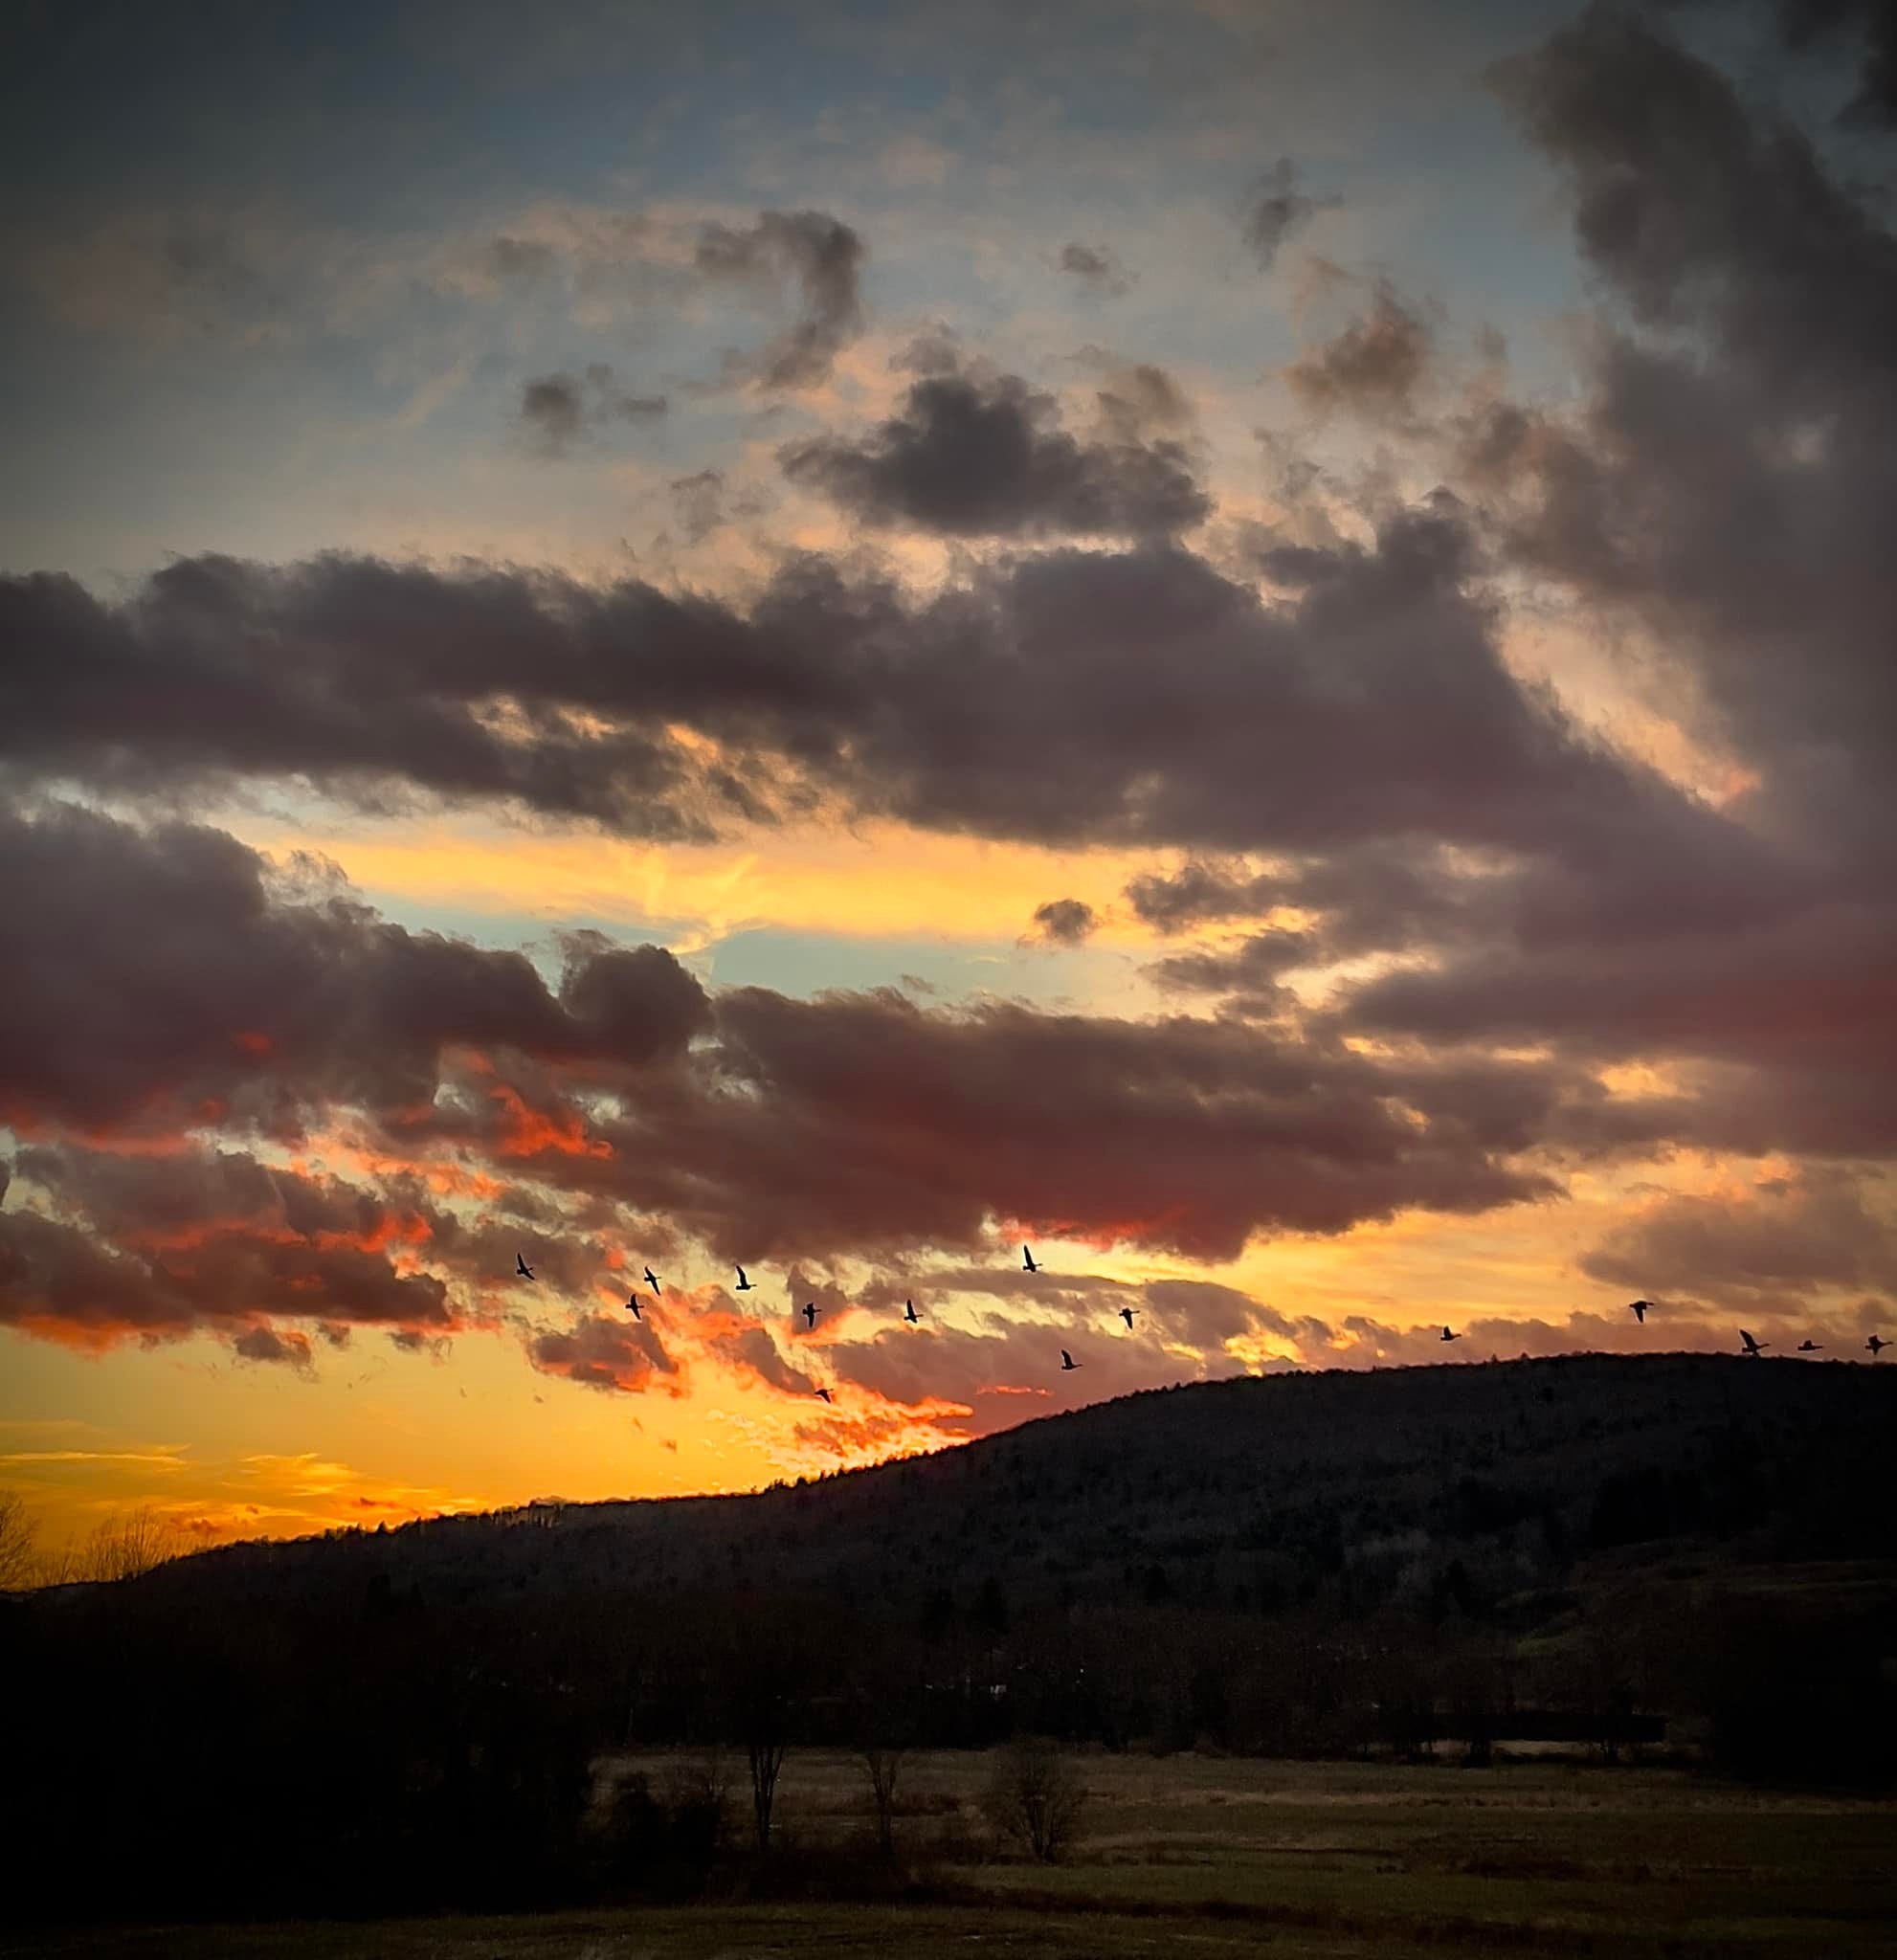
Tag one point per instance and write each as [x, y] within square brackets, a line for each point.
[1802, 22]
[559, 409]
[1252, 968]
[1098, 269]
[1722, 479]
[1211, 1133]
[58, 1280]
[822, 257]
[208, 997]
[265, 1344]
[615, 1355]
[1066, 921]
[747, 1119]
[523, 259]
[166, 274]
[751, 1352]
[553, 407]
[1712, 491]
[1803, 25]
[1277, 211]
[1765, 1254]
[699, 501]
[1370, 368]
[1370, 702]
[972, 457]
[1141, 401]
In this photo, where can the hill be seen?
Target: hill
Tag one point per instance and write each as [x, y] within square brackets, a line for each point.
[1259, 1491]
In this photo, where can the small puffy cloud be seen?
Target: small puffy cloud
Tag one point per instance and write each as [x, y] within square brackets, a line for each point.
[557, 410]
[1064, 922]
[818, 255]
[1098, 269]
[1277, 211]
[615, 1355]
[970, 456]
[1371, 368]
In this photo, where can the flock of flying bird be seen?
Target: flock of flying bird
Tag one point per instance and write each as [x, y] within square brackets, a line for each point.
[1639, 1309]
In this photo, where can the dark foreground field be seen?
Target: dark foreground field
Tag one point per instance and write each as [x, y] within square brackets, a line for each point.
[1203, 1856]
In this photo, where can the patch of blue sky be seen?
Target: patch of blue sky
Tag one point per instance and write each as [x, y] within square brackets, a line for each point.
[804, 964]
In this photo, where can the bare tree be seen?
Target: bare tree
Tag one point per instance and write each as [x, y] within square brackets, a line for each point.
[761, 1702]
[880, 1764]
[123, 1547]
[1035, 1796]
[18, 1566]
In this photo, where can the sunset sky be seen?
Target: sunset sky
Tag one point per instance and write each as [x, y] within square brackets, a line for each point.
[1252, 642]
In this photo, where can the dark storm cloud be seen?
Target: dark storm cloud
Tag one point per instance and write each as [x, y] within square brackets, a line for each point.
[1066, 921]
[823, 259]
[974, 458]
[1253, 968]
[59, 1280]
[178, 1195]
[1098, 268]
[200, 986]
[559, 409]
[1277, 211]
[1174, 900]
[764, 1126]
[889, 1127]
[1721, 486]
[1728, 476]
[1371, 368]
[367, 677]
[1169, 705]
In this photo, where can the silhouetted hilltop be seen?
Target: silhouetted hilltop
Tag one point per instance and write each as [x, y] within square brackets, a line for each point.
[1275, 1490]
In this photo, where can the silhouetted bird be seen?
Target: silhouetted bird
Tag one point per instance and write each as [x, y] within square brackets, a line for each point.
[1638, 1310]
[1067, 1363]
[522, 1267]
[1809, 1347]
[909, 1313]
[1752, 1347]
[810, 1313]
[1448, 1336]
[1876, 1346]
[1127, 1314]
[633, 1306]
[652, 1279]
[825, 1393]
[1027, 1262]
[744, 1286]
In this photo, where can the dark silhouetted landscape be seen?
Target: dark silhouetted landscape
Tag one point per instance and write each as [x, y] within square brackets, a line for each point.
[1609, 1588]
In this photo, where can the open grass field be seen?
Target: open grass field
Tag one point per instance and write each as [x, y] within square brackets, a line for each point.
[1199, 1855]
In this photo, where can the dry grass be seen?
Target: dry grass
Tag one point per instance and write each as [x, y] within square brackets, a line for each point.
[1206, 1856]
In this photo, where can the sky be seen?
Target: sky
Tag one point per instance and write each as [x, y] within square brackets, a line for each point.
[1250, 643]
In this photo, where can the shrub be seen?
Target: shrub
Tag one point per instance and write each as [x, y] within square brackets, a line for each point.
[1034, 1798]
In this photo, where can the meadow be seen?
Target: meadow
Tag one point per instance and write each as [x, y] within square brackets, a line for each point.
[1206, 1854]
